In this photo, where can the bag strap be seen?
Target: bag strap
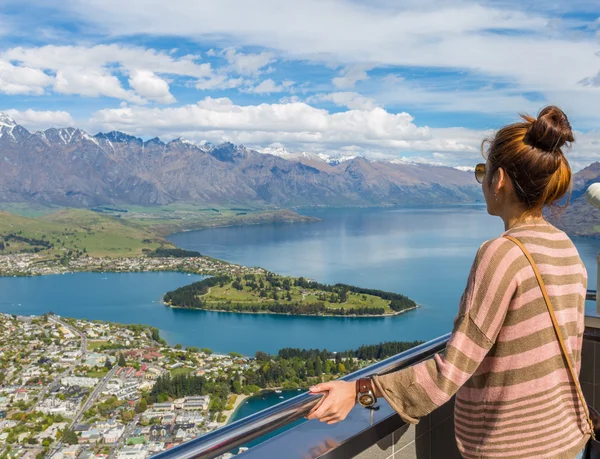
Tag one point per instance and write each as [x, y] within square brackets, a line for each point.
[556, 329]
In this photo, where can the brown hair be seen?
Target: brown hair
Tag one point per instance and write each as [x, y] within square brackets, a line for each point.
[531, 154]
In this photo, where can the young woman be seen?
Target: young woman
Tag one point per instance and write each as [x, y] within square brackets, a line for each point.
[515, 397]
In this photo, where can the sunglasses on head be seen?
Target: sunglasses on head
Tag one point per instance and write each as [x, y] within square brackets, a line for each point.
[480, 172]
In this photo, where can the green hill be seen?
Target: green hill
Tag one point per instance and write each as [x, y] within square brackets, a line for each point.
[261, 293]
[76, 232]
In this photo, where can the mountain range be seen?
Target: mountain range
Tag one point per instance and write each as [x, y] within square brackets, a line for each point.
[70, 167]
[579, 218]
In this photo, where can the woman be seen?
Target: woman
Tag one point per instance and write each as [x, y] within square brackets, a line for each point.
[514, 394]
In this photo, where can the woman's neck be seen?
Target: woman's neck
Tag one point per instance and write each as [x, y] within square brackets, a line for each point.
[519, 217]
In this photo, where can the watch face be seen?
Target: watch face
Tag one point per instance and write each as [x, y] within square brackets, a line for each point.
[366, 400]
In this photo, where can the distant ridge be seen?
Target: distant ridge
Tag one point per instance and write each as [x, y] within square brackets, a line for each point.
[580, 218]
[70, 167]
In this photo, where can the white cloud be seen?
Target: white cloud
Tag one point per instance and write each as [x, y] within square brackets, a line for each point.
[452, 35]
[248, 64]
[33, 119]
[297, 125]
[351, 100]
[92, 83]
[93, 71]
[22, 80]
[150, 86]
[219, 81]
[269, 86]
[350, 76]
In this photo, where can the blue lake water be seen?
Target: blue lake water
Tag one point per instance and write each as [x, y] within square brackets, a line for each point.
[424, 253]
[262, 401]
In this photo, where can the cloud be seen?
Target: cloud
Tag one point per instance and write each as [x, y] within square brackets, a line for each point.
[92, 83]
[150, 86]
[350, 76]
[247, 64]
[20, 80]
[217, 81]
[297, 125]
[269, 86]
[351, 100]
[33, 119]
[94, 71]
[482, 40]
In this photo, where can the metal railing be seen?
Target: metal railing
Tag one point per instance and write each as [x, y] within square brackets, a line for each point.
[240, 432]
[256, 425]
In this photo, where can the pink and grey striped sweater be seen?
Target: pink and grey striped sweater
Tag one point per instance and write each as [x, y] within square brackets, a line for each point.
[514, 395]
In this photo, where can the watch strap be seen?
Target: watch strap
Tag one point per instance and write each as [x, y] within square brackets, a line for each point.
[364, 385]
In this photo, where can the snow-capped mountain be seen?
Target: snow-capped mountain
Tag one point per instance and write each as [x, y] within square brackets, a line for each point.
[70, 167]
[282, 152]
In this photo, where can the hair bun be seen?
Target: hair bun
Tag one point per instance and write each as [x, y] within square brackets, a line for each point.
[550, 131]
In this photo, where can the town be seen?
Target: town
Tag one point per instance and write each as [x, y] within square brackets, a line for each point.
[74, 388]
[34, 264]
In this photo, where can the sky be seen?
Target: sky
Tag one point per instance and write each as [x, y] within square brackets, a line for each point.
[411, 80]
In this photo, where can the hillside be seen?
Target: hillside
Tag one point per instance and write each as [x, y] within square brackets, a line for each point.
[69, 167]
[76, 232]
[580, 218]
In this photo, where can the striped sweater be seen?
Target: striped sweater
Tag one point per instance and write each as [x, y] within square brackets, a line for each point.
[514, 394]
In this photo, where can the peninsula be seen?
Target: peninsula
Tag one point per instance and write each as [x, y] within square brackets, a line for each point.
[271, 293]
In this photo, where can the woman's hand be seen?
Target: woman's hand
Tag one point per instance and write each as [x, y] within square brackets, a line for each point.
[335, 405]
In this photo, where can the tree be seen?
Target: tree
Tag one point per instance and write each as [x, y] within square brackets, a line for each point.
[207, 350]
[108, 365]
[127, 416]
[178, 346]
[237, 387]
[141, 406]
[70, 437]
[122, 362]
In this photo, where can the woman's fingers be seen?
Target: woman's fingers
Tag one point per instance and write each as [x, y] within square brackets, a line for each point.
[311, 413]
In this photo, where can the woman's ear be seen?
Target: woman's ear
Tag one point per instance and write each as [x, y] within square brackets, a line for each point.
[500, 179]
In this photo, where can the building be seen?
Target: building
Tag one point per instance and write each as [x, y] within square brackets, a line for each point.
[79, 381]
[163, 406]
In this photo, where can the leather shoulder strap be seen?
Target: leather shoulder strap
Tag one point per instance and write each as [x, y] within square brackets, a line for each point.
[556, 328]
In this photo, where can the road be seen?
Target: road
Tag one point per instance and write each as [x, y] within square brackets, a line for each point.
[97, 390]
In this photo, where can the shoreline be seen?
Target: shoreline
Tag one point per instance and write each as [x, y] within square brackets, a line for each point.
[240, 398]
[353, 316]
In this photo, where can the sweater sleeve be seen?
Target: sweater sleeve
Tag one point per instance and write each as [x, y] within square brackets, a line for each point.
[416, 391]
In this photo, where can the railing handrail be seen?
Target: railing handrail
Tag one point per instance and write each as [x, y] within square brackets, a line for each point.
[256, 425]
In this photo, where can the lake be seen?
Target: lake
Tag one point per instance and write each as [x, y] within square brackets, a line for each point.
[425, 253]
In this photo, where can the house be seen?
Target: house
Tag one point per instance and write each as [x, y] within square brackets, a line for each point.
[158, 433]
[113, 435]
[21, 396]
[197, 403]
[163, 406]
[132, 452]
[90, 436]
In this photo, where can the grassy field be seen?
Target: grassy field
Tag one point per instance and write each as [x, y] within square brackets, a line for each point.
[116, 231]
[181, 371]
[78, 231]
[173, 218]
[93, 345]
[248, 296]
[97, 374]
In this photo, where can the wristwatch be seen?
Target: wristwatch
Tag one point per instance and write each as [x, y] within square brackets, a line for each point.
[365, 394]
